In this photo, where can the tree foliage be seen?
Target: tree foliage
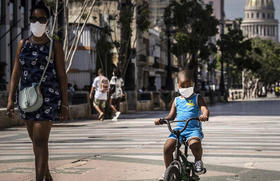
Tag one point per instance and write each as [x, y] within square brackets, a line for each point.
[191, 23]
[269, 58]
[237, 53]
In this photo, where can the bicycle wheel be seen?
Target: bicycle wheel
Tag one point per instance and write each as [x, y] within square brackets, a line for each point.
[172, 173]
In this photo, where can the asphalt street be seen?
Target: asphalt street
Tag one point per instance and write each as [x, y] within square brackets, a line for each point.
[241, 144]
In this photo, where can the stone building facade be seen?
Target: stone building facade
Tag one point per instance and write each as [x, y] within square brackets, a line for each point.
[259, 20]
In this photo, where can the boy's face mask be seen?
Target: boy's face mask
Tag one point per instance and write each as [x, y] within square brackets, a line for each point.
[186, 92]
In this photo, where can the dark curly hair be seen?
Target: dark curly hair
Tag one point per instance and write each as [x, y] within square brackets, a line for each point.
[41, 5]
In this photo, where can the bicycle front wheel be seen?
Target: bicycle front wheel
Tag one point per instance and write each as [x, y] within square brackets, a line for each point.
[172, 173]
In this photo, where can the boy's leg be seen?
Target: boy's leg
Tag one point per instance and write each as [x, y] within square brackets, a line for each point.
[168, 150]
[195, 146]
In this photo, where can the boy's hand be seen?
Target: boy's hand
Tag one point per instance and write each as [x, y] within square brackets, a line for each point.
[203, 118]
[157, 121]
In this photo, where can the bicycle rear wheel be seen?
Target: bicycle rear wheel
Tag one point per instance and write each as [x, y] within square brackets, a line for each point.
[172, 173]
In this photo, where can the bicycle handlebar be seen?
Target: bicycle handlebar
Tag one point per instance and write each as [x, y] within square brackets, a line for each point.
[164, 121]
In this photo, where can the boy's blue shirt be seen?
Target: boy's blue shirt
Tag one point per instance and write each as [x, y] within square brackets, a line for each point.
[188, 108]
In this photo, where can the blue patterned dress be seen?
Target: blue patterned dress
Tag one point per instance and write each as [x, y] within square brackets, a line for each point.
[33, 59]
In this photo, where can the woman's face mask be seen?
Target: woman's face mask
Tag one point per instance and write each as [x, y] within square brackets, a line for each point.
[186, 92]
[38, 29]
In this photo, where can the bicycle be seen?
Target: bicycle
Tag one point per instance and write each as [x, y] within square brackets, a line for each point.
[180, 168]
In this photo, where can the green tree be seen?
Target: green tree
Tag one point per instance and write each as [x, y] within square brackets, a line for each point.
[126, 49]
[269, 58]
[104, 55]
[191, 23]
[237, 53]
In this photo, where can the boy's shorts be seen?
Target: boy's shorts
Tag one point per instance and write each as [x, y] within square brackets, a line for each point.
[188, 134]
[100, 103]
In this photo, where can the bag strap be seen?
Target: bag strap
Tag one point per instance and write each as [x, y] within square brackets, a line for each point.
[48, 61]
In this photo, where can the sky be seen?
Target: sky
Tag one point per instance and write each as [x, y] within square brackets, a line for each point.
[235, 9]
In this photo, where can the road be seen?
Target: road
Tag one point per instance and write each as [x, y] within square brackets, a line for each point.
[241, 144]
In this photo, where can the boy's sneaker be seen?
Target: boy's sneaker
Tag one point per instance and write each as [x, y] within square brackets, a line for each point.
[199, 168]
[161, 178]
[117, 114]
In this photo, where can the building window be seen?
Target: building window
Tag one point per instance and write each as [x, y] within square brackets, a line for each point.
[252, 15]
[257, 15]
[248, 16]
[268, 15]
[263, 16]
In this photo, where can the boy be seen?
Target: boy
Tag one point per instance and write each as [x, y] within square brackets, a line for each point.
[185, 106]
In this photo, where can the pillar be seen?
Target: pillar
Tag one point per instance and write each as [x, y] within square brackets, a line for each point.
[16, 30]
[5, 38]
[27, 14]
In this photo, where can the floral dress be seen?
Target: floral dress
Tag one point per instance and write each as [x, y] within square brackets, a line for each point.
[33, 59]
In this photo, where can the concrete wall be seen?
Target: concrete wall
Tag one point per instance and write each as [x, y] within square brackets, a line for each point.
[81, 111]
[6, 122]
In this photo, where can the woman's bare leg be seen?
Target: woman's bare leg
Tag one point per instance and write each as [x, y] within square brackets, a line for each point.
[41, 132]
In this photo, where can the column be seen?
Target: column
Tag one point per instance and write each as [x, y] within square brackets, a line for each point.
[5, 39]
[276, 32]
[16, 31]
[27, 14]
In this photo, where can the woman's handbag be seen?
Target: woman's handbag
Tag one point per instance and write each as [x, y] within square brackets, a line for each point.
[30, 99]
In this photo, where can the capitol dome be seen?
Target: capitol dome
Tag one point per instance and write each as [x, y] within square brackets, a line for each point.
[259, 4]
[259, 20]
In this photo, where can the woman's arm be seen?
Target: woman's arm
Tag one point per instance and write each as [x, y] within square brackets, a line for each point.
[14, 79]
[62, 77]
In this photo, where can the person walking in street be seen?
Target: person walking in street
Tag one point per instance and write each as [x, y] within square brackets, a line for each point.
[32, 67]
[116, 93]
[99, 91]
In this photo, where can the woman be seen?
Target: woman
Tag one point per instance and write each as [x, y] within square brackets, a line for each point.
[30, 62]
[116, 92]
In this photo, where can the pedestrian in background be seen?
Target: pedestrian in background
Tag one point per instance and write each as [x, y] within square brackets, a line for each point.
[100, 90]
[116, 92]
[30, 63]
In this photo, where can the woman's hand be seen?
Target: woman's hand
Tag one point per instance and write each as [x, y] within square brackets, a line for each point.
[64, 114]
[10, 108]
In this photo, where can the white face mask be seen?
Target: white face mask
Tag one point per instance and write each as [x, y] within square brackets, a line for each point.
[38, 29]
[186, 92]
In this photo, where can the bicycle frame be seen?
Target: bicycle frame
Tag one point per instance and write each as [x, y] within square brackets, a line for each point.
[185, 167]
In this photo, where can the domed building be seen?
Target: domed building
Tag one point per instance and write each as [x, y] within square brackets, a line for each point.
[259, 20]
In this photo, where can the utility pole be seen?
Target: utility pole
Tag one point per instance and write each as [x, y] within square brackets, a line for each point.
[169, 81]
[222, 81]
